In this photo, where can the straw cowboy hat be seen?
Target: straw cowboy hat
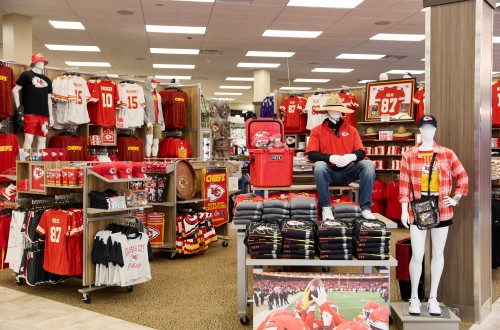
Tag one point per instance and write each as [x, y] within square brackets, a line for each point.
[370, 131]
[334, 102]
[402, 132]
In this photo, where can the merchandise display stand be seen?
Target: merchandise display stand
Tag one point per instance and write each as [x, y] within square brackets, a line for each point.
[404, 321]
[352, 187]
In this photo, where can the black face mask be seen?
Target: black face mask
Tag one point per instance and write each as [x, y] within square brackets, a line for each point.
[335, 126]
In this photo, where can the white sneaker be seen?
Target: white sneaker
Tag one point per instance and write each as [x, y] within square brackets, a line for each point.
[414, 308]
[327, 213]
[368, 215]
[433, 307]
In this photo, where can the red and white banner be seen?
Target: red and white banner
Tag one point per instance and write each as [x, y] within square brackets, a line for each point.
[215, 193]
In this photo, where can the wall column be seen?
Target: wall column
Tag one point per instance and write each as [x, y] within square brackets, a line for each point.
[261, 88]
[17, 38]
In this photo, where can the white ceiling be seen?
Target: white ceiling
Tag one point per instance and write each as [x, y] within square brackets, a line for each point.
[233, 28]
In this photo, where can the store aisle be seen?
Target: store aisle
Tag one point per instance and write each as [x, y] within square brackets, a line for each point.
[21, 310]
[492, 321]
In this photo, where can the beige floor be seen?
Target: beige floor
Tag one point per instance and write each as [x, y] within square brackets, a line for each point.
[492, 322]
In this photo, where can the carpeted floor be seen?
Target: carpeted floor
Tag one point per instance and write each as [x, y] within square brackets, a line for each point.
[197, 292]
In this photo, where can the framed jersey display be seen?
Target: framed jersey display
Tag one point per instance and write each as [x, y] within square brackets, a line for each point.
[390, 100]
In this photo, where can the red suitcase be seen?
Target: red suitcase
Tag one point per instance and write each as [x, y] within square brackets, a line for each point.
[269, 167]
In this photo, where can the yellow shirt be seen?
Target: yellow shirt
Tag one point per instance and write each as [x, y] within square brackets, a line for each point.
[427, 156]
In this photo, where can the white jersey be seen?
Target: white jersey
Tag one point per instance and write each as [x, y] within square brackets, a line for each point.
[314, 103]
[71, 94]
[131, 112]
[15, 247]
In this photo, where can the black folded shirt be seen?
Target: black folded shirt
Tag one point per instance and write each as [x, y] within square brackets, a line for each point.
[301, 229]
[379, 250]
[333, 228]
[336, 246]
[336, 257]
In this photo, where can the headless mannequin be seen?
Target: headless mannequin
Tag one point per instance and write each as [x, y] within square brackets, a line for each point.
[152, 144]
[28, 138]
[438, 235]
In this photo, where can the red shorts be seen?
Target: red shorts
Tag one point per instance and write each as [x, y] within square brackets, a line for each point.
[36, 125]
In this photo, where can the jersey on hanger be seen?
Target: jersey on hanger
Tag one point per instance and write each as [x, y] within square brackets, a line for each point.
[314, 103]
[419, 99]
[350, 101]
[495, 104]
[389, 100]
[174, 106]
[131, 112]
[295, 120]
[106, 94]
[130, 149]
[7, 82]
[55, 225]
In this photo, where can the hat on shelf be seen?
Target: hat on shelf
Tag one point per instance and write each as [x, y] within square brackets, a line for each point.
[107, 170]
[38, 58]
[402, 132]
[335, 103]
[371, 131]
[139, 170]
[124, 170]
[427, 120]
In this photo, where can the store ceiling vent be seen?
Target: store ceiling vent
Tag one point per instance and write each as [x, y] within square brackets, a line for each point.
[235, 2]
[393, 57]
[211, 52]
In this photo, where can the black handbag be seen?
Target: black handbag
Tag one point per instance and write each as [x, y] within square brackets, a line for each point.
[426, 209]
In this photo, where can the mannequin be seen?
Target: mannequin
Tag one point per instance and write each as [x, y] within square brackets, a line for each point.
[153, 118]
[37, 103]
[337, 152]
[446, 168]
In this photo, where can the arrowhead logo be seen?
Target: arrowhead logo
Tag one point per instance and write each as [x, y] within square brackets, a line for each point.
[152, 233]
[215, 192]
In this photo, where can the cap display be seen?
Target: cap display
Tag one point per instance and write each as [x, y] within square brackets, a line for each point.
[427, 120]
[139, 170]
[107, 170]
[124, 170]
[38, 58]
[335, 103]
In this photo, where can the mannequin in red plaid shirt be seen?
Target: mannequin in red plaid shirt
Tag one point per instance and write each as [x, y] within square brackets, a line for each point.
[415, 167]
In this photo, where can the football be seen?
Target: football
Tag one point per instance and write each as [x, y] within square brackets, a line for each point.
[314, 285]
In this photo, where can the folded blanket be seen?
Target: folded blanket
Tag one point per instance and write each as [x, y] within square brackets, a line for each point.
[372, 239]
[342, 216]
[379, 250]
[304, 217]
[335, 246]
[335, 240]
[244, 213]
[339, 251]
[247, 205]
[276, 217]
[276, 203]
[346, 208]
[286, 256]
[313, 213]
[303, 203]
[275, 210]
[332, 228]
[305, 247]
[371, 245]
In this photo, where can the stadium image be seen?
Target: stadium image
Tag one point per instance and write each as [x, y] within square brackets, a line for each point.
[309, 301]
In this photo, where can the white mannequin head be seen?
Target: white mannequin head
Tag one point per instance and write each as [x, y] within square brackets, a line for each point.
[39, 65]
[334, 115]
[154, 85]
[428, 132]
[383, 76]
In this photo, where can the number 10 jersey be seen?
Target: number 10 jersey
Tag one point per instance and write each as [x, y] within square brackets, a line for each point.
[105, 92]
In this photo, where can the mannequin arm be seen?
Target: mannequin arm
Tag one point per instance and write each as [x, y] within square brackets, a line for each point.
[15, 95]
[405, 215]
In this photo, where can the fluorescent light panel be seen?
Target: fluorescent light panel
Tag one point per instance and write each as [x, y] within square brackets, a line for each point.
[173, 77]
[210, 1]
[258, 65]
[96, 64]
[334, 70]
[222, 99]
[176, 29]
[228, 94]
[174, 51]
[112, 75]
[398, 37]
[346, 4]
[295, 88]
[240, 79]
[174, 66]
[365, 81]
[405, 71]
[292, 34]
[496, 40]
[235, 87]
[73, 48]
[359, 56]
[270, 54]
[304, 80]
[67, 25]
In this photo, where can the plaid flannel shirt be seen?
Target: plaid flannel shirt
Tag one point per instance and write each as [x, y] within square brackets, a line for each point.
[449, 168]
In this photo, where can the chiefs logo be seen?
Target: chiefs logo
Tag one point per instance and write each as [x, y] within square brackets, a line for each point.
[372, 225]
[296, 223]
[215, 192]
[345, 134]
[135, 257]
[332, 223]
[427, 118]
[38, 173]
[39, 83]
[183, 182]
[152, 233]
[112, 170]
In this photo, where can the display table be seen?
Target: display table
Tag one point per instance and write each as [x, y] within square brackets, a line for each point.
[353, 187]
[243, 260]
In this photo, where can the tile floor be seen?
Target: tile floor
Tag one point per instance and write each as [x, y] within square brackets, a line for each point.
[492, 322]
[18, 310]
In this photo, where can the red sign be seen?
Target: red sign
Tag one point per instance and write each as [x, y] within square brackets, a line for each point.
[37, 177]
[215, 193]
[108, 135]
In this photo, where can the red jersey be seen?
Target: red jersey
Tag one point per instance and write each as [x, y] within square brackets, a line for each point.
[350, 101]
[419, 98]
[75, 243]
[393, 209]
[130, 149]
[378, 197]
[495, 104]
[295, 119]
[76, 146]
[55, 225]
[7, 82]
[92, 106]
[106, 94]
[174, 104]
[175, 148]
[9, 149]
[389, 100]
[155, 102]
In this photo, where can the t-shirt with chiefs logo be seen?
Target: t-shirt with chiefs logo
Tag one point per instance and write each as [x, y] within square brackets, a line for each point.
[295, 120]
[130, 149]
[175, 148]
[35, 93]
[419, 99]
[7, 82]
[389, 100]
[105, 92]
[174, 105]
[9, 149]
[55, 225]
[314, 103]
[495, 104]
[76, 146]
[350, 101]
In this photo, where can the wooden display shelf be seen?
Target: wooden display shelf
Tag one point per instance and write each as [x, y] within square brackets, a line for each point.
[96, 211]
[318, 262]
[162, 204]
[63, 187]
[191, 201]
[117, 180]
[10, 177]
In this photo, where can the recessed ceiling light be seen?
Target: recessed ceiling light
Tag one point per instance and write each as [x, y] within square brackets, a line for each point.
[304, 80]
[175, 51]
[270, 54]
[423, 60]
[398, 37]
[176, 29]
[405, 71]
[240, 79]
[365, 81]
[96, 64]
[292, 34]
[174, 66]
[334, 70]
[228, 94]
[67, 25]
[360, 56]
[73, 48]
[235, 87]
[496, 40]
[349, 4]
[258, 65]
[295, 88]
[174, 77]
[125, 12]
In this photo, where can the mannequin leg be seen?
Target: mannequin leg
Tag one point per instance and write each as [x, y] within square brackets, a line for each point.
[28, 140]
[418, 249]
[149, 144]
[438, 238]
[156, 147]
[41, 142]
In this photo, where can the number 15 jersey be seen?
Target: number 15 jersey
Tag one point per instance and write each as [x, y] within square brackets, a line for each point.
[55, 225]
[105, 92]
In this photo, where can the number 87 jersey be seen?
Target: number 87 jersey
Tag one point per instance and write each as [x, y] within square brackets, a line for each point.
[389, 100]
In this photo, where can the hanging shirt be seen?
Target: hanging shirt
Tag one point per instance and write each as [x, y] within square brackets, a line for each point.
[9, 149]
[155, 101]
[7, 82]
[495, 104]
[35, 93]
[92, 106]
[267, 107]
[131, 112]
[76, 146]
[314, 103]
[105, 92]
[295, 120]
[419, 99]
[350, 101]
[130, 149]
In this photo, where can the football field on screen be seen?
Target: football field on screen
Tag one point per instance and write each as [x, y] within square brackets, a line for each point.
[350, 304]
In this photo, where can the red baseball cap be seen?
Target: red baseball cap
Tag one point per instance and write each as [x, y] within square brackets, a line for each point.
[124, 170]
[107, 170]
[38, 58]
[154, 81]
[139, 169]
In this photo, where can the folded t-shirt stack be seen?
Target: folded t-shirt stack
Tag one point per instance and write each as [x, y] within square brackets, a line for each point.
[346, 212]
[276, 211]
[371, 240]
[335, 240]
[263, 240]
[304, 208]
[298, 239]
[246, 212]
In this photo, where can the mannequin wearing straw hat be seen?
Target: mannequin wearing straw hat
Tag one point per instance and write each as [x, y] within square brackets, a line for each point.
[337, 152]
[37, 105]
[415, 169]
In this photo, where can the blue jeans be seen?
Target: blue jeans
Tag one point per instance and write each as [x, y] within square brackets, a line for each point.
[363, 170]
